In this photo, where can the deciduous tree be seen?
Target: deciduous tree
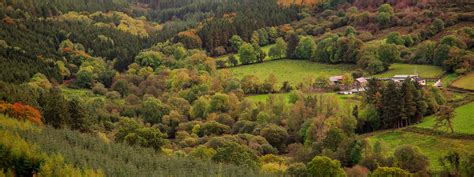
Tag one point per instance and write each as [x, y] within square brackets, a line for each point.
[444, 118]
[322, 166]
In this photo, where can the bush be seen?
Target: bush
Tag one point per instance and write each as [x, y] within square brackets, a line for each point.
[395, 38]
[424, 53]
[113, 95]
[214, 128]
[270, 158]
[322, 166]
[99, 89]
[390, 171]
[410, 158]
[203, 152]
[236, 154]
[357, 170]
[452, 41]
[275, 135]
[274, 168]
[297, 170]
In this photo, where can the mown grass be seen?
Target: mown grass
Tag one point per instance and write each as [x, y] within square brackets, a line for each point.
[431, 146]
[424, 71]
[465, 82]
[293, 71]
[462, 123]
[80, 93]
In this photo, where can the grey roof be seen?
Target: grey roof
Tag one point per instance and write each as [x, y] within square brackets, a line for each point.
[404, 76]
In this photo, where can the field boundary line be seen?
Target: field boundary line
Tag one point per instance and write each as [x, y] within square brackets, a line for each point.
[431, 132]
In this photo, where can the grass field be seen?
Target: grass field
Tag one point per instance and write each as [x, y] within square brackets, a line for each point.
[465, 82]
[448, 79]
[341, 98]
[292, 71]
[432, 146]
[462, 123]
[81, 93]
[424, 71]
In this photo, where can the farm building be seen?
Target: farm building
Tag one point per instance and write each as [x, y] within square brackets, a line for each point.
[336, 80]
[401, 78]
[360, 83]
[438, 83]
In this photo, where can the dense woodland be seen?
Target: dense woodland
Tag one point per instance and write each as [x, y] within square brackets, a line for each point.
[139, 79]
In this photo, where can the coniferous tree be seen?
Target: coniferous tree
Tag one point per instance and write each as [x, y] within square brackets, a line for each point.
[409, 103]
[78, 116]
[293, 41]
[391, 101]
[55, 108]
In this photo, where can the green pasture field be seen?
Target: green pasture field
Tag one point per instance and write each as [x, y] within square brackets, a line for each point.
[462, 123]
[432, 146]
[341, 98]
[80, 93]
[293, 71]
[424, 71]
[465, 82]
[448, 79]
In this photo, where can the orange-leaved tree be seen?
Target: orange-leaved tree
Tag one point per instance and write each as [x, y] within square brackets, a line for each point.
[21, 111]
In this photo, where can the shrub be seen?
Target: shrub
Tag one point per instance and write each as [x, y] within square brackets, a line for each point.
[410, 158]
[236, 154]
[274, 168]
[395, 38]
[322, 166]
[214, 128]
[357, 170]
[297, 169]
[390, 171]
[275, 135]
[203, 152]
[270, 158]
[453, 41]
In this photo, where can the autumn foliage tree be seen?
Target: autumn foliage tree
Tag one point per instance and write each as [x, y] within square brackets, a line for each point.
[21, 111]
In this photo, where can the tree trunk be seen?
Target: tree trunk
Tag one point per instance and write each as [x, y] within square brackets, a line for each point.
[450, 126]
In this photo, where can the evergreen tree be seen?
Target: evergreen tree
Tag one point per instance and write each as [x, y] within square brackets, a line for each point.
[391, 101]
[55, 108]
[293, 41]
[372, 95]
[79, 115]
[409, 103]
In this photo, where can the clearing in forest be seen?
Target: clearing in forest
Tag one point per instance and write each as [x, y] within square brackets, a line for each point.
[293, 71]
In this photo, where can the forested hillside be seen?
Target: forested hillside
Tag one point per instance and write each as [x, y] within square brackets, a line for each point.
[236, 88]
